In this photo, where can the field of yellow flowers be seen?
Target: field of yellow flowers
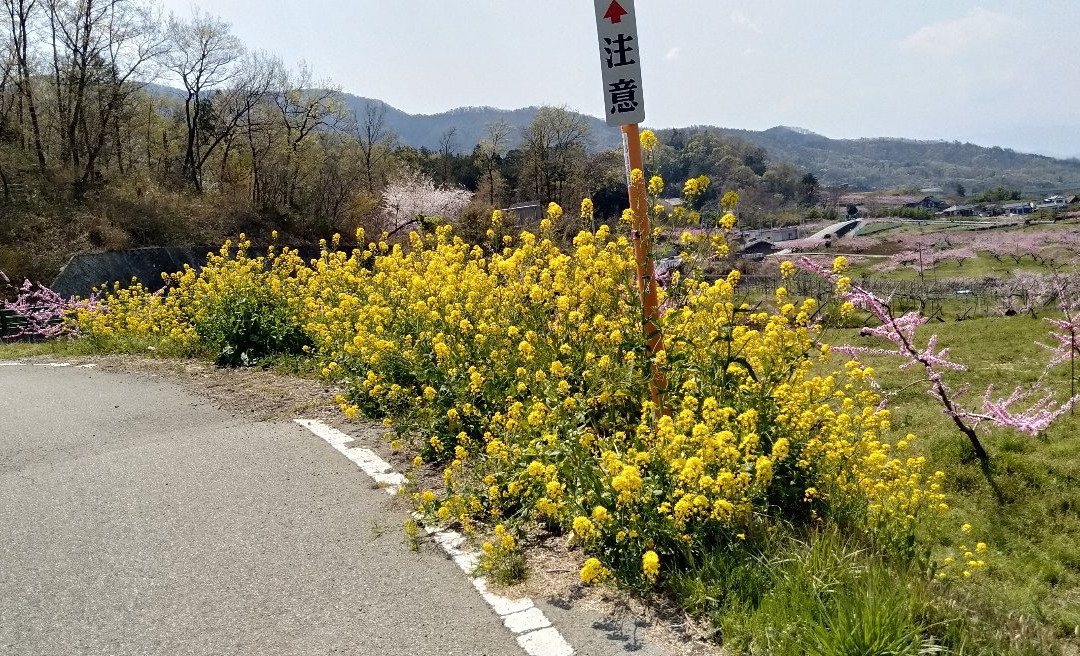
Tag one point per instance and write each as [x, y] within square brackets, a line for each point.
[519, 368]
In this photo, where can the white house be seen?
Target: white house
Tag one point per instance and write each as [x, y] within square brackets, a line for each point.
[1053, 203]
[774, 235]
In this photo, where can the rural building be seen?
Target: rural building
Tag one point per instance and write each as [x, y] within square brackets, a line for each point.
[775, 234]
[928, 203]
[757, 249]
[1017, 208]
[1053, 203]
[526, 214]
[959, 210]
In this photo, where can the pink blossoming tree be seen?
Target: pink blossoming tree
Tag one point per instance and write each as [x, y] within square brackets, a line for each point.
[1067, 334]
[42, 311]
[1037, 407]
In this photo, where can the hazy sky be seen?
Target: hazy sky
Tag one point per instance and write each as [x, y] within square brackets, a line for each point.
[996, 72]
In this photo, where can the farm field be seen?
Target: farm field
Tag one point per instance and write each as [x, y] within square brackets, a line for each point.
[980, 266]
[942, 250]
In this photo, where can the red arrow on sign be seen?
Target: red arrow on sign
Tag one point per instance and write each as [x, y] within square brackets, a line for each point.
[615, 12]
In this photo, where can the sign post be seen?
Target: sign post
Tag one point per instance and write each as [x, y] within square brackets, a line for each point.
[620, 61]
[620, 66]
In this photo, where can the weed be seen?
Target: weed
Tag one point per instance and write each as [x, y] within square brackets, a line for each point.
[874, 617]
[412, 535]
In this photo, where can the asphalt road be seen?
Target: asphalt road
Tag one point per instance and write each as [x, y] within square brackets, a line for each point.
[137, 519]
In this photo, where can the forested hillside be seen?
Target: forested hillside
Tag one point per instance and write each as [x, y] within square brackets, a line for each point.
[877, 163]
[897, 163]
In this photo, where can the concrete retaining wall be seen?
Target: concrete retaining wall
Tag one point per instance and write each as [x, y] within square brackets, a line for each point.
[84, 272]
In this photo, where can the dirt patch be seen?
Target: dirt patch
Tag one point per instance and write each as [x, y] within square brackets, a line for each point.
[553, 567]
[258, 394]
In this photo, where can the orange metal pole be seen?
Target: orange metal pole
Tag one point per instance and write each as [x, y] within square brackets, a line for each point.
[642, 234]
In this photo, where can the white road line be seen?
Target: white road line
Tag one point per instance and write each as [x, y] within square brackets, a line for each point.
[366, 459]
[531, 628]
[9, 363]
[545, 642]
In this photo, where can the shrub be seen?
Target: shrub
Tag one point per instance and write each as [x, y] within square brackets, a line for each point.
[237, 308]
[245, 325]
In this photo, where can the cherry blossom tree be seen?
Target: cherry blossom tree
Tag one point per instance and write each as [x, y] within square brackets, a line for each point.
[856, 244]
[927, 241]
[1070, 242]
[1064, 251]
[1025, 293]
[1012, 245]
[1067, 334]
[414, 197]
[897, 261]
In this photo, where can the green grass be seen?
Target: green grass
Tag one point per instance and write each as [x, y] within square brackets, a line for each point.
[1032, 580]
[61, 347]
[67, 347]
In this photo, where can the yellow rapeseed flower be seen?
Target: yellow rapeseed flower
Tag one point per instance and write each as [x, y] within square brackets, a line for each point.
[649, 142]
[554, 212]
[593, 572]
[650, 564]
[586, 209]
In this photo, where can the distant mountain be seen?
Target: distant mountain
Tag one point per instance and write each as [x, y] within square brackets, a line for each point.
[796, 130]
[469, 124]
[163, 91]
[883, 163]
